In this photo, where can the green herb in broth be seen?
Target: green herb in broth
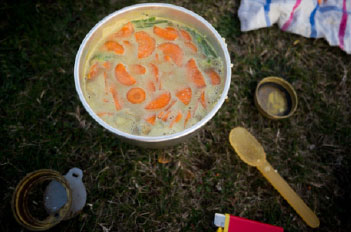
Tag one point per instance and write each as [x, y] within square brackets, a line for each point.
[212, 62]
[202, 43]
[103, 57]
[144, 23]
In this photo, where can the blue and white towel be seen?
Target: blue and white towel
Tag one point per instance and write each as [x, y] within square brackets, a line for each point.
[329, 19]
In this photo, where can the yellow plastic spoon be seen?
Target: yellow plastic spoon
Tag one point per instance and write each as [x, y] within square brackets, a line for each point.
[252, 153]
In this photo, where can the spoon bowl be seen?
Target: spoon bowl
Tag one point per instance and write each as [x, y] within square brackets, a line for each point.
[246, 146]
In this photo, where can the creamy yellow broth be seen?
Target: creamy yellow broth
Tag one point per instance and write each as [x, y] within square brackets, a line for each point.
[172, 77]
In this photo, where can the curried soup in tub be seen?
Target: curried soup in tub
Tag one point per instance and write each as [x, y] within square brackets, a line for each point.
[153, 77]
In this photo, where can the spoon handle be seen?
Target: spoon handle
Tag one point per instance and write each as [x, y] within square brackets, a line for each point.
[289, 194]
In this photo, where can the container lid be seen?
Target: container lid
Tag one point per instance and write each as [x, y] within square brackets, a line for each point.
[275, 98]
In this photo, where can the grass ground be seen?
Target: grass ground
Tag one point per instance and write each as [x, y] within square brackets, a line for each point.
[43, 125]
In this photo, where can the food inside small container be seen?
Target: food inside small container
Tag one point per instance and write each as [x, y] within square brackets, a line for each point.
[152, 76]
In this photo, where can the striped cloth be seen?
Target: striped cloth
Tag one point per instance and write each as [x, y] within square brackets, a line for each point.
[329, 19]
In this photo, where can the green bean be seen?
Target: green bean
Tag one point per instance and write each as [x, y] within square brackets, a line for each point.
[144, 23]
[202, 43]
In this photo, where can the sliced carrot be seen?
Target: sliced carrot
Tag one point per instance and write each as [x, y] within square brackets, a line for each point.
[160, 114]
[151, 86]
[184, 95]
[126, 42]
[170, 105]
[107, 65]
[177, 119]
[123, 76]
[154, 71]
[191, 46]
[106, 83]
[115, 98]
[165, 117]
[194, 74]
[93, 71]
[156, 58]
[187, 117]
[202, 99]
[114, 46]
[173, 51]
[168, 33]
[159, 102]
[105, 100]
[179, 116]
[101, 114]
[146, 44]
[185, 35]
[164, 159]
[125, 31]
[167, 58]
[136, 95]
[151, 119]
[138, 69]
[215, 78]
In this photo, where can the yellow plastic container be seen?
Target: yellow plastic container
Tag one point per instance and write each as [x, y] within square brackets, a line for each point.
[22, 204]
[275, 98]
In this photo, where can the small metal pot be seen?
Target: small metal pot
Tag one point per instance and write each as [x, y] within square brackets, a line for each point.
[179, 14]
